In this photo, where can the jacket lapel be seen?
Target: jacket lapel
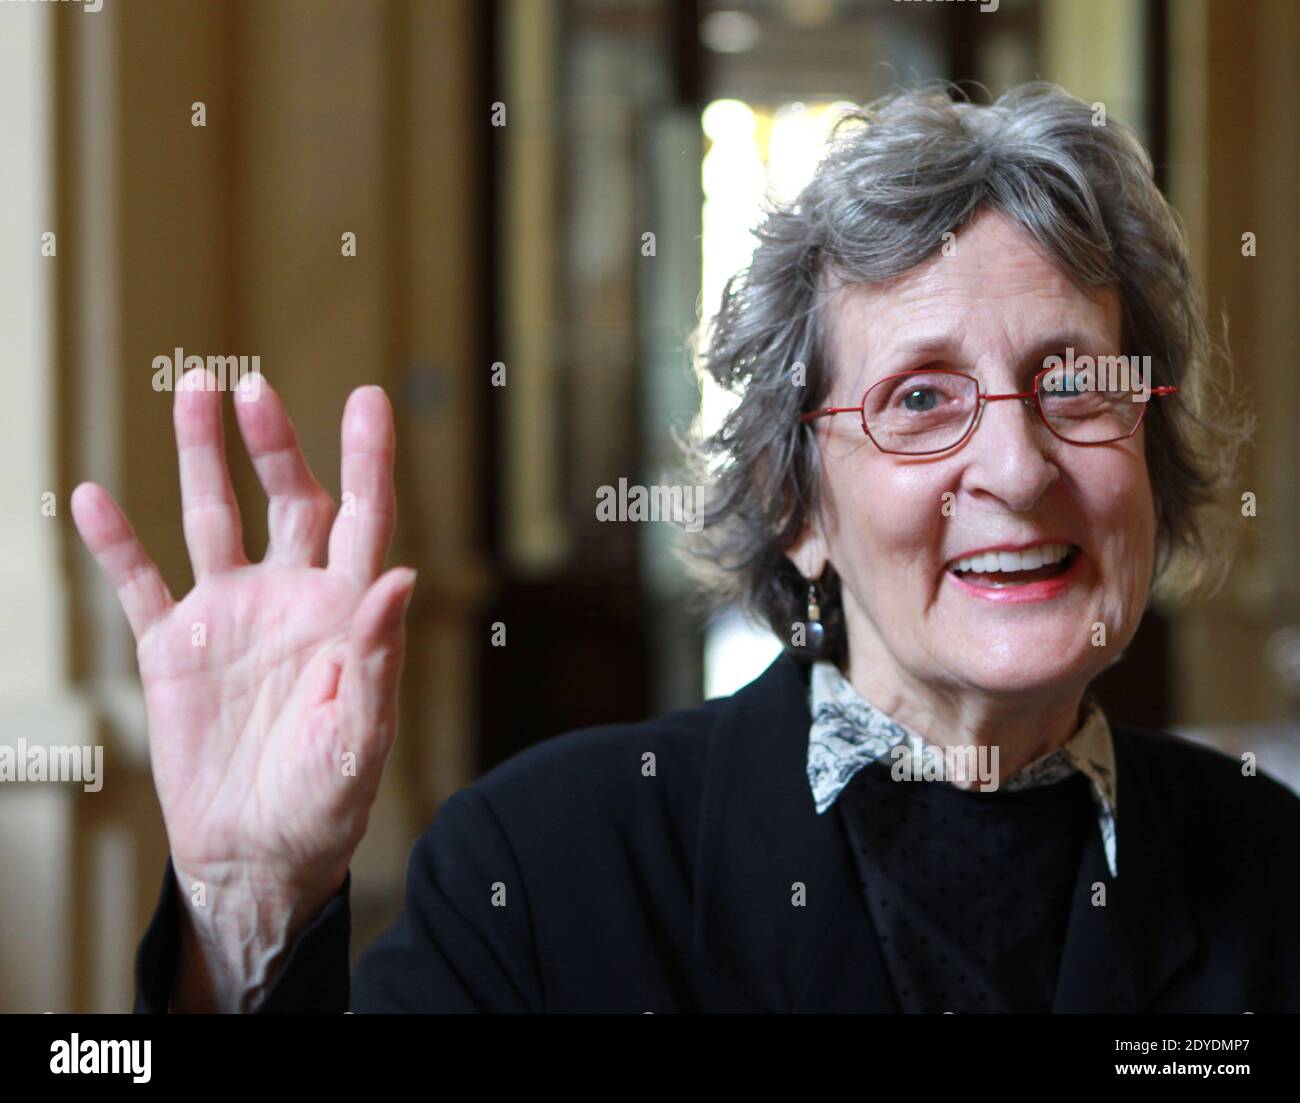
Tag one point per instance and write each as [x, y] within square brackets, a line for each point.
[761, 838]
[1119, 957]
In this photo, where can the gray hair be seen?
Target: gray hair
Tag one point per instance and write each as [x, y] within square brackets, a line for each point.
[896, 176]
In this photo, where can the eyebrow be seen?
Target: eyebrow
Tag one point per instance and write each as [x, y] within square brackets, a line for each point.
[944, 346]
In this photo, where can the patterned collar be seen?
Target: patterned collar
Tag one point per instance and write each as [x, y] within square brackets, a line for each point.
[847, 733]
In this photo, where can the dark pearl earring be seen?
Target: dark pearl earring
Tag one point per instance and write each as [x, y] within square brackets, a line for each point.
[816, 630]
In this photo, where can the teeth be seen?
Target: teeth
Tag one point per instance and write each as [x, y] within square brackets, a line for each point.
[1041, 555]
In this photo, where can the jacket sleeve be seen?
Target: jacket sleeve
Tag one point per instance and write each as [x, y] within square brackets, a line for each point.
[463, 941]
[1285, 895]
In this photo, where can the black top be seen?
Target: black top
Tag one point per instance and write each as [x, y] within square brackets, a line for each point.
[714, 885]
[970, 891]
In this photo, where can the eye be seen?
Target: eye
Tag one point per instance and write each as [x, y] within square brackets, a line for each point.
[920, 399]
[1061, 380]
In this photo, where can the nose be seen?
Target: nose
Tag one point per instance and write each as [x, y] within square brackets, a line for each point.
[1012, 454]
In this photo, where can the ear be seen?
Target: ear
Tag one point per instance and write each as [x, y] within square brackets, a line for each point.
[809, 553]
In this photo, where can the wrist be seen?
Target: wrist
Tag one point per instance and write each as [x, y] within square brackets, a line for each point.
[236, 935]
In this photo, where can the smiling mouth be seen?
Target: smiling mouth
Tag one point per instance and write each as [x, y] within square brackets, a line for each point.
[999, 570]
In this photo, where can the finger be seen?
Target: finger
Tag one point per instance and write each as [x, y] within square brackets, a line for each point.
[299, 510]
[210, 515]
[363, 528]
[108, 535]
[367, 686]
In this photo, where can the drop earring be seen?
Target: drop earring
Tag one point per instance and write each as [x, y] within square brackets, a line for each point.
[816, 630]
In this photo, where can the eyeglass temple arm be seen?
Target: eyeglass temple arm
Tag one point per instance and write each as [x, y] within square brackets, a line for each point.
[829, 411]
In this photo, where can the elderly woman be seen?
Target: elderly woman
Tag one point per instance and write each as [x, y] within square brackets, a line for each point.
[972, 433]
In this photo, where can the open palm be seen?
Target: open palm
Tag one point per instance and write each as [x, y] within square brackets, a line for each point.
[270, 688]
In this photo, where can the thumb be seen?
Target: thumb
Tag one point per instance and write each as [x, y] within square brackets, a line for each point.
[373, 663]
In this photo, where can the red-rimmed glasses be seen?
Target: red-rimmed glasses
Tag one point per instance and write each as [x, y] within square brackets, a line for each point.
[930, 410]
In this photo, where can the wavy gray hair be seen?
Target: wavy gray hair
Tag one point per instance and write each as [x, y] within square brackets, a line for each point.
[896, 176]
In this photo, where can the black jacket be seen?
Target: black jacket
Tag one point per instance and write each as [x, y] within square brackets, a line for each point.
[628, 889]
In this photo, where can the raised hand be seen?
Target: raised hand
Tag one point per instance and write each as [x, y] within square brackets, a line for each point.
[270, 688]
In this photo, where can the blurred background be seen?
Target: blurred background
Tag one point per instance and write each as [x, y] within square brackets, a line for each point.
[521, 246]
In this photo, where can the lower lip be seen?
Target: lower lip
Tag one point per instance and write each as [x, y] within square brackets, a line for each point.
[1043, 590]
